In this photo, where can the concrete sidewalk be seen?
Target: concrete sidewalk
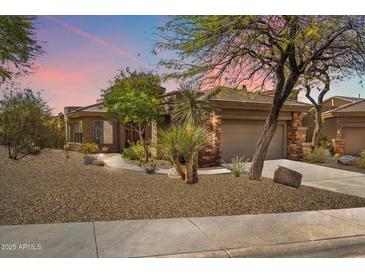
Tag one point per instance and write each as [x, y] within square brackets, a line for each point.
[331, 233]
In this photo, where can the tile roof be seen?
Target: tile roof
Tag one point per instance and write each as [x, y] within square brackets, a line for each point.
[98, 107]
[347, 98]
[225, 94]
[355, 106]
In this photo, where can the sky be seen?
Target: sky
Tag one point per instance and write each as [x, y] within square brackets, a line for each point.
[84, 52]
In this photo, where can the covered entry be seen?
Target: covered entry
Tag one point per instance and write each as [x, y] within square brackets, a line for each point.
[239, 137]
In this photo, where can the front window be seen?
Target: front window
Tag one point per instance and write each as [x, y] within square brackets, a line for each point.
[98, 129]
[78, 132]
[103, 132]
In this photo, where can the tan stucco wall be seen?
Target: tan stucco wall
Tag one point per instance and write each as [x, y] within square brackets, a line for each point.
[87, 127]
[329, 128]
[334, 124]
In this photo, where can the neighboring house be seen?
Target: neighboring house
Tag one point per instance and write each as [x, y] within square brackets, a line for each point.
[236, 122]
[343, 121]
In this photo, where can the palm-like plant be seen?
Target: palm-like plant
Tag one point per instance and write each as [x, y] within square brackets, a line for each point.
[169, 146]
[189, 109]
[193, 139]
[183, 141]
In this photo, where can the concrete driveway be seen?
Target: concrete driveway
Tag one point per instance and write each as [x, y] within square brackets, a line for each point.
[337, 180]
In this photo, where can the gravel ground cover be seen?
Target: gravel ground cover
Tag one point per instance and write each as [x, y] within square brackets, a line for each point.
[48, 188]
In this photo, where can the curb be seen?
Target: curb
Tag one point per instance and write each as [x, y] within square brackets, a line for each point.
[344, 247]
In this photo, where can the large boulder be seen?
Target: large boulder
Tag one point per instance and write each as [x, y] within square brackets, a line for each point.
[288, 177]
[346, 160]
[93, 159]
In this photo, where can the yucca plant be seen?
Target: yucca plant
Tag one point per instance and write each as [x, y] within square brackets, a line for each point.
[183, 141]
[168, 146]
[189, 109]
[193, 139]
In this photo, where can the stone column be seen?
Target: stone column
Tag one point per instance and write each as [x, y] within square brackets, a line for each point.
[210, 156]
[338, 145]
[297, 135]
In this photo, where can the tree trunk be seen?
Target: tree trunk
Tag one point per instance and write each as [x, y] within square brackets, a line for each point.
[195, 168]
[189, 169]
[143, 142]
[317, 127]
[178, 167]
[9, 151]
[264, 142]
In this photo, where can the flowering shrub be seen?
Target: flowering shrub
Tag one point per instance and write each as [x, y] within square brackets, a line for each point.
[89, 148]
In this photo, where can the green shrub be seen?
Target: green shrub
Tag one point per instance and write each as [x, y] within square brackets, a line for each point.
[318, 155]
[150, 168]
[237, 167]
[101, 163]
[362, 159]
[326, 144]
[32, 150]
[337, 155]
[89, 148]
[134, 152]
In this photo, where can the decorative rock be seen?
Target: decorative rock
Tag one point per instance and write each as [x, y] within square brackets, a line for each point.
[93, 159]
[346, 160]
[288, 177]
[173, 174]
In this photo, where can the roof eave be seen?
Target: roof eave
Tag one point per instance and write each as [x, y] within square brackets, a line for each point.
[257, 105]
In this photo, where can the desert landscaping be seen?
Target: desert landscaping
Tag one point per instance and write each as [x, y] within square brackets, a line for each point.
[48, 188]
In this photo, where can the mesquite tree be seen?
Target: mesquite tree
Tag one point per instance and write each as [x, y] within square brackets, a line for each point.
[271, 50]
[18, 45]
[24, 121]
[321, 79]
[134, 97]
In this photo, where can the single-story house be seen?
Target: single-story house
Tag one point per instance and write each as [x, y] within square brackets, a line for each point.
[344, 123]
[236, 122]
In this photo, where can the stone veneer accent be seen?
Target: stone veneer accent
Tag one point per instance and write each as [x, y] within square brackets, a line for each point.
[297, 136]
[338, 145]
[210, 156]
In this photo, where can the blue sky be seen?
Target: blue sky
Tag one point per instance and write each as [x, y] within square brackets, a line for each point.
[84, 52]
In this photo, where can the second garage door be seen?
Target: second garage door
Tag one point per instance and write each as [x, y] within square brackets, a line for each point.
[239, 137]
[354, 139]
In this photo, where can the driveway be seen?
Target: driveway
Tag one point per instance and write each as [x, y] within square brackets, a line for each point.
[332, 179]
[337, 180]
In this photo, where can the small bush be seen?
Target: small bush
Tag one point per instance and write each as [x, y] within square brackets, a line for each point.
[89, 148]
[337, 155]
[237, 167]
[318, 155]
[134, 152]
[362, 159]
[326, 144]
[150, 168]
[32, 150]
[101, 163]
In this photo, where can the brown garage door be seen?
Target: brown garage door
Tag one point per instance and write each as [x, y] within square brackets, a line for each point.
[239, 137]
[354, 139]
